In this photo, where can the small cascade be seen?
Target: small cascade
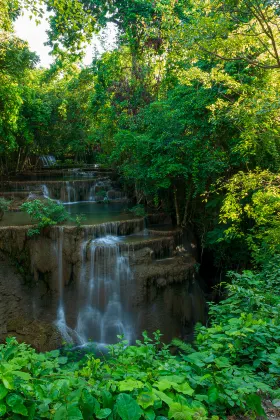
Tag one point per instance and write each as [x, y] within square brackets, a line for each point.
[45, 190]
[99, 190]
[47, 161]
[91, 196]
[103, 290]
[61, 320]
[71, 193]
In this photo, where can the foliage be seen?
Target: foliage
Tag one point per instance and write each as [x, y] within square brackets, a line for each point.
[45, 213]
[4, 206]
[249, 213]
[101, 195]
[138, 210]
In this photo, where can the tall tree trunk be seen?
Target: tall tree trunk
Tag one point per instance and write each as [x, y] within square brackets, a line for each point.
[18, 160]
[186, 212]
[176, 207]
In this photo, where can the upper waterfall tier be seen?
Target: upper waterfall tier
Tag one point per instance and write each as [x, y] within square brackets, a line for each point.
[68, 191]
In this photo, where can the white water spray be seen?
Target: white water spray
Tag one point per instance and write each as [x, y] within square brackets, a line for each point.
[102, 316]
[61, 320]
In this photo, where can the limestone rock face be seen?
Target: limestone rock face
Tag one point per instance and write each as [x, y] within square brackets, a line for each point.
[18, 312]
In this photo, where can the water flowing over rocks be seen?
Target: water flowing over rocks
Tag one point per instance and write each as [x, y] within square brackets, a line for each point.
[94, 282]
[66, 191]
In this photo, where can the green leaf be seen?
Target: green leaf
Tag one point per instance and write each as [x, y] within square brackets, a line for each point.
[163, 397]
[104, 413]
[66, 412]
[127, 407]
[163, 385]
[146, 399]
[90, 405]
[23, 375]
[183, 388]
[15, 401]
[213, 394]
[178, 411]
[107, 399]
[149, 414]
[3, 392]
[62, 360]
[254, 402]
[3, 410]
[61, 413]
[8, 381]
[130, 385]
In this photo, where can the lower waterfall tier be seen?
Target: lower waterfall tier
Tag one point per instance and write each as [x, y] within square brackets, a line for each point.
[96, 282]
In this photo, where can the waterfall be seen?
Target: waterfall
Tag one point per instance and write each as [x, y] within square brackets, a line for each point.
[91, 196]
[47, 161]
[45, 190]
[104, 286]
[92, 191]
[71, 193]
[61, 320]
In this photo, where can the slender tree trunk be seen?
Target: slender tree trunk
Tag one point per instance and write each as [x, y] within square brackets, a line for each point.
[18, 160]
[186, 212]
[176, 207]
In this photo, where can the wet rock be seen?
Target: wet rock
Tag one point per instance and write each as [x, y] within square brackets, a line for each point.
[17, 312]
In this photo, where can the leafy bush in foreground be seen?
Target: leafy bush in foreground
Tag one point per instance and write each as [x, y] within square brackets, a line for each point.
[229, 369]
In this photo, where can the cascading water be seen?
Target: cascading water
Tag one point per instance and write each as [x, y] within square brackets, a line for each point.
[47, 161]
[45, 190]
[61, 321]
[98, 186]
[71, 193]
[103, 289]
[91, 196]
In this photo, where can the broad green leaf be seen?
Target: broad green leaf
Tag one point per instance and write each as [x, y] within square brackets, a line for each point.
[130, 385]
[23, 375]
[90, 405]
[146, 399]
[213, 394]
[16, 402]
[254, 402]
[183, 388]
[178, 411]
[3, 409]
[104, 413]
[107, 399]
[163, 397]
[3, 391]
[62, 360]
[8, 381]
[68, 413]
[127, 407]
[61, 413]
[163, 385]
[149, 414]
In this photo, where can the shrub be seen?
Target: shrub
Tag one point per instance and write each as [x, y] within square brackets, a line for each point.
[45, 213]
[101, 195]
[138, 210]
